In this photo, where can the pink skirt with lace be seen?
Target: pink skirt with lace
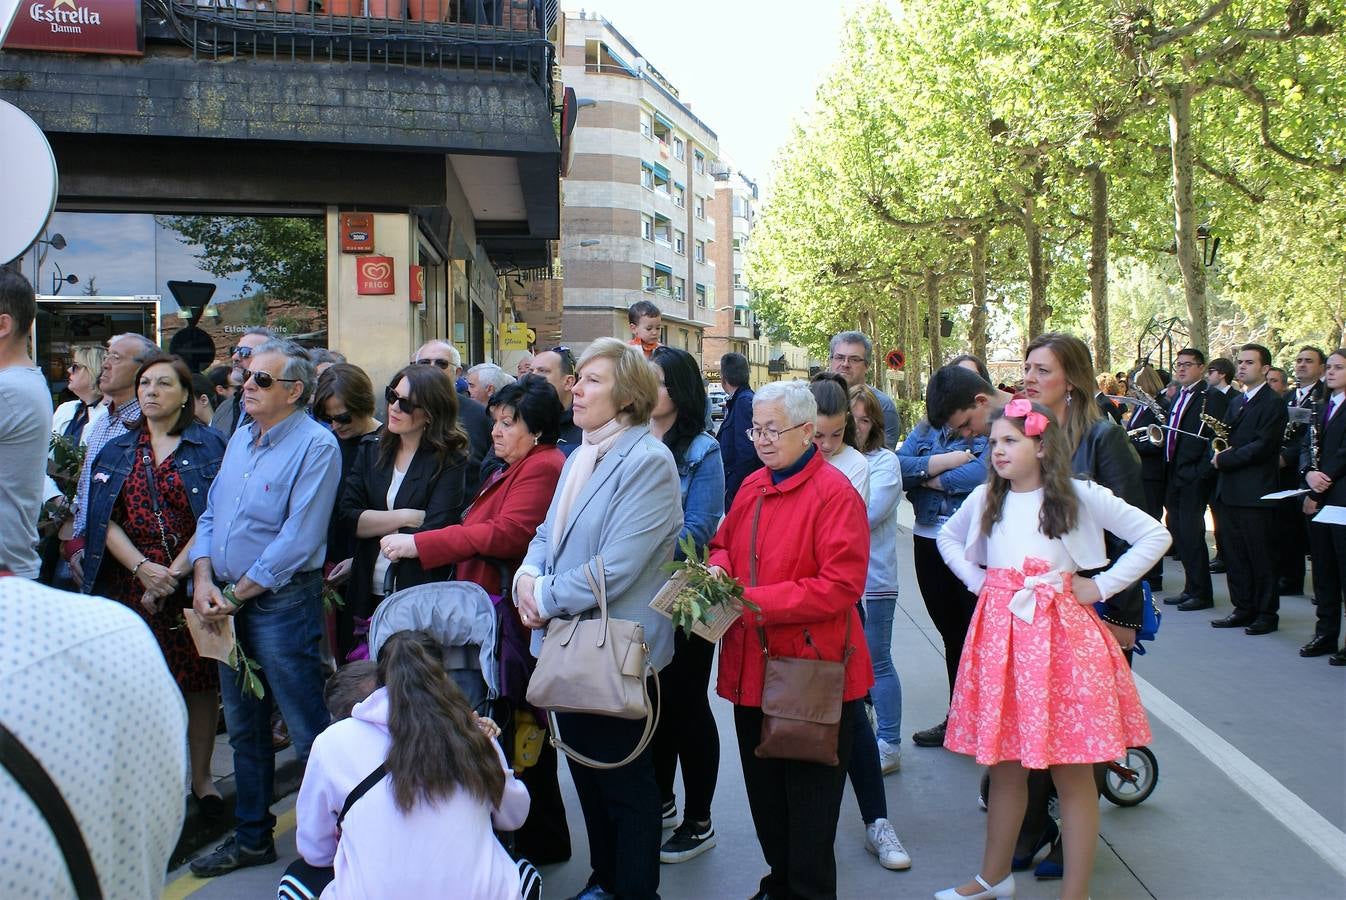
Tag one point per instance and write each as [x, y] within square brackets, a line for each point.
[1054, 691]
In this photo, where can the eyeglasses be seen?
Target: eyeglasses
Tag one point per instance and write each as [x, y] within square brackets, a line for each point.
[853, 360]
[438, 363]
[770, 435]
[264, 380]
[240, 351]
[403, 403]
[1185, 364]
[340, 418]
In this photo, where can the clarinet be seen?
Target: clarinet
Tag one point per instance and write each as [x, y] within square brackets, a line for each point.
[1313, 432]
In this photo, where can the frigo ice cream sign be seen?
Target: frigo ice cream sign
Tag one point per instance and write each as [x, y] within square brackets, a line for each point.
[78, 26]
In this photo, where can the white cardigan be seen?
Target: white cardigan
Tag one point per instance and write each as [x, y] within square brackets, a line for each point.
[963, 546]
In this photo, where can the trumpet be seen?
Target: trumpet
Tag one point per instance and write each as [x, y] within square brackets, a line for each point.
[1155, 435]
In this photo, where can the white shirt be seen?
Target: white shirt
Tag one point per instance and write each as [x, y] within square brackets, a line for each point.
[854, 466]
[1252, 392]
[381, 562]
[1303, 391]
[87, 691]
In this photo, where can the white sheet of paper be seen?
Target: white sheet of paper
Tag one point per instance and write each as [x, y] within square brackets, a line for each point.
[1281, 495]
[1331, 515]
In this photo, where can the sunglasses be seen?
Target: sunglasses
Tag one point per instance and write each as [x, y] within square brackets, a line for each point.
[240, 351]
[340, 418]
[439, 363]
[403, 403]
[264, 380]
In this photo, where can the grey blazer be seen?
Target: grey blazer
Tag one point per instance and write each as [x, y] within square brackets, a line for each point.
[629, 513]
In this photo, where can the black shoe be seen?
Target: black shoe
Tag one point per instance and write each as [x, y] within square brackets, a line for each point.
[1337, 659]
[1217, 567]
[689, 840]
[1260, 627]
[230, 856]
[1233, 620]
[1176, 599]
[931, 737]
[1194, 603]
[1320, 645]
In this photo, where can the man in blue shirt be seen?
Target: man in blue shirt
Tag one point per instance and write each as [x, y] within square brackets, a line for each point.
[258, 557]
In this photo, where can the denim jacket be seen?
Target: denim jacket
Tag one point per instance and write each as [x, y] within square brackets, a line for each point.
[197, 460]
[931, 506]
[701, 475]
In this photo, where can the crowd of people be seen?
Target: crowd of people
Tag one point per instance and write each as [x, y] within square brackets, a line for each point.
[281, 502]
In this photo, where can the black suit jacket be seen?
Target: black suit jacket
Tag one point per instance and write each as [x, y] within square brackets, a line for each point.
[476, 422]
[1152, 464]
[1105, 455]
[1107, 407]
[1249, 468]
[1191, 455]
[1331, 456]
[1313, 400]
[426, 486]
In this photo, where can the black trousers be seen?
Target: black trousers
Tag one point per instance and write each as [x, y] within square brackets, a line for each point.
[1187, 506]
[795, 807]
[1291, 539]
[1328, 543]
[687, 731]
[544, 837]
[621, 806]
[1155, 490]
[947, 600]
[1248, 557]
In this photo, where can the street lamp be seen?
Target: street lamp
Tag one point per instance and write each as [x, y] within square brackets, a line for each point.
[58, 278]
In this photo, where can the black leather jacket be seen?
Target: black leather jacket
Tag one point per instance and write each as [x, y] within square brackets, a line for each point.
[1106, 456]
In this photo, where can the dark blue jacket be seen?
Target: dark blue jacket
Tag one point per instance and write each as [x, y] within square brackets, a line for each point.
[736, 450]
[197, 460]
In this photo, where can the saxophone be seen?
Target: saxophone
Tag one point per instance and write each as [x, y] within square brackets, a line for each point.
[1154, 406]
[1220, 442]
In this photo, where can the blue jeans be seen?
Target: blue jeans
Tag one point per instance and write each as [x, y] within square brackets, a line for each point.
[279, 631]
[887, 690]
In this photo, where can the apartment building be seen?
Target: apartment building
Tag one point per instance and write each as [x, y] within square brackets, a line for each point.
[636, 209]
[736, 329]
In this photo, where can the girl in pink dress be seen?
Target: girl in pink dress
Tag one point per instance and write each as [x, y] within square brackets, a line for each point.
[1042, 683]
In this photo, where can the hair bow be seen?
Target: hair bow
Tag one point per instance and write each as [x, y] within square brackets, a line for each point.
[1034, 422]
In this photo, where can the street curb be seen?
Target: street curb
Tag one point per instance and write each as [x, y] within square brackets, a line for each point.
[198, 832]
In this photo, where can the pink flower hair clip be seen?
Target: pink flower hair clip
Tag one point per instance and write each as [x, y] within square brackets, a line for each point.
[1034, 422]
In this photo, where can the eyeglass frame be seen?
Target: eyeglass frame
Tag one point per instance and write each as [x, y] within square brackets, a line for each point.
[853, 360]
[270, 379]
[340, 418]
[390, 396]
[441, 364]
[763, 432]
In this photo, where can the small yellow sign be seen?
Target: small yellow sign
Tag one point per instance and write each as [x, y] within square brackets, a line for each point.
[513, 335]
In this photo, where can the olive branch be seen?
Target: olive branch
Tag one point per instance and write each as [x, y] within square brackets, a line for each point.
[704, 593]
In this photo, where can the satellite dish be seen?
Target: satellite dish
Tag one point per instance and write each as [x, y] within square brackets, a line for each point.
[28, 181]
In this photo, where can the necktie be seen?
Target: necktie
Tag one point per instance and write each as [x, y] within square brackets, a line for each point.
[1331, 408]
[1171, 442]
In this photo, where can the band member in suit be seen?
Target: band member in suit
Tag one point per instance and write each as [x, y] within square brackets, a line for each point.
[1291, 534]
[1190, 477]
[1246, 471]
[1220, 376]
[1327, 480]
[1153, 466]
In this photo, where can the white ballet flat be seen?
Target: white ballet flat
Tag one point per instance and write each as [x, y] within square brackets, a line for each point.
[999, 891]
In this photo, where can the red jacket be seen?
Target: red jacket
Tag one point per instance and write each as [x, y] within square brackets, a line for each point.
[500, 523]
[813, 554]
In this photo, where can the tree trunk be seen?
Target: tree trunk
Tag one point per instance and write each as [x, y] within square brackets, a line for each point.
[1190, 260]
[1037, 278]
[977, 324]
[1098, 268]
[913, 345]
[932, 280]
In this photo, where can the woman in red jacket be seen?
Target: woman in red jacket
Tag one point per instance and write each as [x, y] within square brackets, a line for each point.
[809, 530]
[497, 528]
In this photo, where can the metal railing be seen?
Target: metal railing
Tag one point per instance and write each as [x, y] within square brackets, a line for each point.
[480, 35]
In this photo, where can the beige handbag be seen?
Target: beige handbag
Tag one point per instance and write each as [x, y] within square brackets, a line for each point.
[596, 666]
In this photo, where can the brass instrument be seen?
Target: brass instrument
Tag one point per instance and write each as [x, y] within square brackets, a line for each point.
[1155, 435]
[1154, 406]
[1220, 442]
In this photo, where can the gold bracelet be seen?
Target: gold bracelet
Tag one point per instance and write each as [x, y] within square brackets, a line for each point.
[143, 560]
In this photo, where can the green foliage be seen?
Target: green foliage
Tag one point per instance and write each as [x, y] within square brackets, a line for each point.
[705, 593]
[247, 669]
[281, 256]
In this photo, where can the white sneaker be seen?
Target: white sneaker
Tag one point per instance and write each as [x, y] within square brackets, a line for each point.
[890, 757]
[881, 840]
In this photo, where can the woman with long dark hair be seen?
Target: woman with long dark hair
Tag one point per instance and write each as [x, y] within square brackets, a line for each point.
[424, 826]
[687, 732]
[407, 478]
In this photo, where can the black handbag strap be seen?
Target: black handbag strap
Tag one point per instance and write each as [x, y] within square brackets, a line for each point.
[156, 506]
[359, 791]
[28, 773]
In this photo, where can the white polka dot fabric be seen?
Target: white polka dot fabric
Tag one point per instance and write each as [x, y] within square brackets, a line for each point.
[84, 686]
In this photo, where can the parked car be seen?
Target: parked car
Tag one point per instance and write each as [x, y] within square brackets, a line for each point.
[718, 399]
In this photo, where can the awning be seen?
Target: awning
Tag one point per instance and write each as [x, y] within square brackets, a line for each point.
[660, 267]
[660, 118]
[660, 171]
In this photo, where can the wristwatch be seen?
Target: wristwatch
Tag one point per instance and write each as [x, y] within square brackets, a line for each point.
[228, 592]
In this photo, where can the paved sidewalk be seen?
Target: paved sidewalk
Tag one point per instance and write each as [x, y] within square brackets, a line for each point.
[1245, 794]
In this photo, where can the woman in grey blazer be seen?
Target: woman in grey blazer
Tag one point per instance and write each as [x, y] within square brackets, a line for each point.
[618, 498]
